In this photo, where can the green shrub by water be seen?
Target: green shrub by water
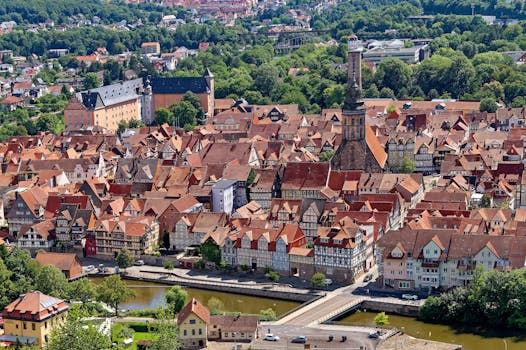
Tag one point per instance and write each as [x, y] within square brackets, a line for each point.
[493, 299]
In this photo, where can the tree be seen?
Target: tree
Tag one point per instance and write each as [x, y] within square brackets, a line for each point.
[163, 116]
[485, 201]
[393, 74]
[82, 290]
[326, 156]
[122, 126]
[267, 315]
[488, 105]
[266, 79]
[165, 333]
[125, 332]
[387, 93]
[78, 335]
[381, 319]
[23, 269]
[50, 280]
[193, 99]
[211, 252]
[124, 258]
[176, 299]
[408, 165]
[460, 77]
[184, 113]
[91, 81]
[6, 285]
[318, 280]
[113, 291]
[215, 305]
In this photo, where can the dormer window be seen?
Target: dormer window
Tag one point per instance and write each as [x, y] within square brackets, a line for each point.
[324, 240]
[337, 241]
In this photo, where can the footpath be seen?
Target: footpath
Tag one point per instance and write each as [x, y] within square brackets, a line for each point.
[222, 283]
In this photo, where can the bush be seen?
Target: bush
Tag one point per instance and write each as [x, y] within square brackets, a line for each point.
[273, 276]
[318, 279]
[168, 265]
[267, 315]
[153, 313]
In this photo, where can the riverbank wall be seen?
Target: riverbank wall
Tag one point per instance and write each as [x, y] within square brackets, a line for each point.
[397, 308]
[266, 291]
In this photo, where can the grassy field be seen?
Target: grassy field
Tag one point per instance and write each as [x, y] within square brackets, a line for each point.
[141, 333]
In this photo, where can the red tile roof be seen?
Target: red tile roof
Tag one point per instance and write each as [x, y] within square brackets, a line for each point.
[195, 307]
[34, 306]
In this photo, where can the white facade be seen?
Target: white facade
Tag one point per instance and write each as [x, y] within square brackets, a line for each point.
[223, 196]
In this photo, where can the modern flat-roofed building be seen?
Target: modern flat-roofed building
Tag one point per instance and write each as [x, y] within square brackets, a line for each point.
[409, 55]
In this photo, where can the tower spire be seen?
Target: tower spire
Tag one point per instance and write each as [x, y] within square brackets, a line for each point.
[353, 99]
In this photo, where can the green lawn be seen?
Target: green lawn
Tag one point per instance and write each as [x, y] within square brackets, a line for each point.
[141, 333]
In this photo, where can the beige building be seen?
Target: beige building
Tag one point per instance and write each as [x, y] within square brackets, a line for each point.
[31, 318]
[105, 106]
[193, 322]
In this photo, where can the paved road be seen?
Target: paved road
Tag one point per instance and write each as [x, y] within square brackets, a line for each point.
[317, 337]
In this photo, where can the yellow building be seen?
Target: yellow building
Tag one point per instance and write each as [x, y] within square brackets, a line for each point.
[31, 318]
[105, 106]
[193, 321]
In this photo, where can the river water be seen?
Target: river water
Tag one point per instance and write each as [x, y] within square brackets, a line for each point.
[151, 295]
[481, 340]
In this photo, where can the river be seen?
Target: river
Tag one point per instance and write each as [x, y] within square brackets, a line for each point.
[482, 340]
[151, 295]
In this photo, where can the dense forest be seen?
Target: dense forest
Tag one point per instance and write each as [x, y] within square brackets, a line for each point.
[493, 299]
[38, 11]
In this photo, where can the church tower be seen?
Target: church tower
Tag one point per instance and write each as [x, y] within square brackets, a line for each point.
[353, 108]
[359, 150]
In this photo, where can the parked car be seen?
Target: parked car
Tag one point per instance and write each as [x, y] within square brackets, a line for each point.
[409, 296]
[139, 263]
[300, 339]
[89, 268]
[271, 337]
[373, 336]
[328, 281]
[367, 278]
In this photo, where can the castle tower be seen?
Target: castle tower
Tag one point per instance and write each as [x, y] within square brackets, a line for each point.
[147, 108]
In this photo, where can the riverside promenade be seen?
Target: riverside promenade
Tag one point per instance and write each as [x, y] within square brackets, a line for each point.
[222, 283]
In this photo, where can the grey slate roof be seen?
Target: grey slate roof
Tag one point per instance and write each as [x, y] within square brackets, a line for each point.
[110, 94]
[180, 85]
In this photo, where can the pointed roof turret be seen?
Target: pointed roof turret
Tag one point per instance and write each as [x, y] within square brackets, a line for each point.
[353, 100]
[208, 73]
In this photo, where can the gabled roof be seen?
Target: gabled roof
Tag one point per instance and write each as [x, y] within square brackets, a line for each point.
[195, 307]
[62, 261]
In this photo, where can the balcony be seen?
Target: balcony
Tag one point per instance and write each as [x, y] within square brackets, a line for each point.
[466, 266]
[431, 264]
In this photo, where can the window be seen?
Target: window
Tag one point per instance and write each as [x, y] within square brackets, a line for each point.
[25, 325]
[193, 331]
[200, 331]
[192, 321]
[184, 332]
[33, 326]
